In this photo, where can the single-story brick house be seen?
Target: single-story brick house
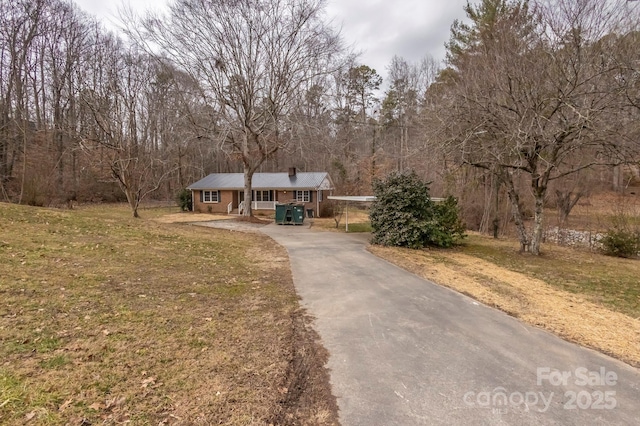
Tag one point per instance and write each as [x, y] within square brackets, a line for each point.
[224, 192]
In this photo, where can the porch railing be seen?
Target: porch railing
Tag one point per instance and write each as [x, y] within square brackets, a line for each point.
[263, 205]
[230, 207]
[241, 207]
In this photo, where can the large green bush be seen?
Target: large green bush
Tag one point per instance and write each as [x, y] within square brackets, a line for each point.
[184, 200]
[448, 229]
[404, 214]
[621, 243]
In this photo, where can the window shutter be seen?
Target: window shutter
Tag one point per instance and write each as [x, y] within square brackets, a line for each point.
[201, 196]
[219, 199]
[295, 195]
[310, 195]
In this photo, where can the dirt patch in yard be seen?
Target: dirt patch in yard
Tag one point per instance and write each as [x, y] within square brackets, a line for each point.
[253, 219]
[569, 315]
[306, 395]
[185, 217]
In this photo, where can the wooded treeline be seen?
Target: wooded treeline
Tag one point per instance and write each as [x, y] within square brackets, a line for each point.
[542, 96]
[537, 103]
[85, 115]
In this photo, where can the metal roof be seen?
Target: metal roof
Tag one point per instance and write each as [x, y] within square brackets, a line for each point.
[301, 180]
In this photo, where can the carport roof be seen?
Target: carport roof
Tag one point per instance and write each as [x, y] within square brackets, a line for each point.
[367, 198]
[358, 198]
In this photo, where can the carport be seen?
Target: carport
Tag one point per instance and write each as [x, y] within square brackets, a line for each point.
[352, 198]
[362, 199]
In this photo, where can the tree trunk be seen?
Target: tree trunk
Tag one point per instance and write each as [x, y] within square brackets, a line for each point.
[373, 156]
[133, 202]
[125, 180]
[180, 176]
[565, 203]
[536, 237]
[24, 161]
[58, 140]
[496, 207]
[248, 177]
[514, 199]
[617, 179]
[133, 198]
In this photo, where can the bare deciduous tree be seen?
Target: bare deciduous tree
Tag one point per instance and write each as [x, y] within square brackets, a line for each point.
[117, 105]
[402, 106]
[19, 23]
[252, 58]
[532, 96]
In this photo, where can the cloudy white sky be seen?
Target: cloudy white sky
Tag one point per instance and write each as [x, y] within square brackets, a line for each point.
[379, 29]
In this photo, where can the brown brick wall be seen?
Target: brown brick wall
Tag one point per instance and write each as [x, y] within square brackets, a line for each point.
[284, 196]
[287, 197]
[221, 207]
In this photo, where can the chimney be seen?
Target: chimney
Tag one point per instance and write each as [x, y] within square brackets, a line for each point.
[292, 171]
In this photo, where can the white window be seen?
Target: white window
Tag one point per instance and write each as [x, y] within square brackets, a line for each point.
[303, 196]
[211, 196]
[263, 196]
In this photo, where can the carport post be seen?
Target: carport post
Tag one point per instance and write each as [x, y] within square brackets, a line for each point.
[346, 220]
[346, 199]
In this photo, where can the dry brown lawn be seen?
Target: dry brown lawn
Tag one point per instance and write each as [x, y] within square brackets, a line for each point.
[185, 217]
[106, 319]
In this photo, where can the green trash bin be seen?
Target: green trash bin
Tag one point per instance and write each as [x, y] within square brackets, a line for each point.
[298, 214]
[281, 212]
[289, 214]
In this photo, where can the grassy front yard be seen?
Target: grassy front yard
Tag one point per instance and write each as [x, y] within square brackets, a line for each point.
[108, 319]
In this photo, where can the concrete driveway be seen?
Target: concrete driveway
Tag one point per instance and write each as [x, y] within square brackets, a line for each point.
[404, 351]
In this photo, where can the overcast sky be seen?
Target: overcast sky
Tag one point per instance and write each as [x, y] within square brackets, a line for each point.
[377, 28]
